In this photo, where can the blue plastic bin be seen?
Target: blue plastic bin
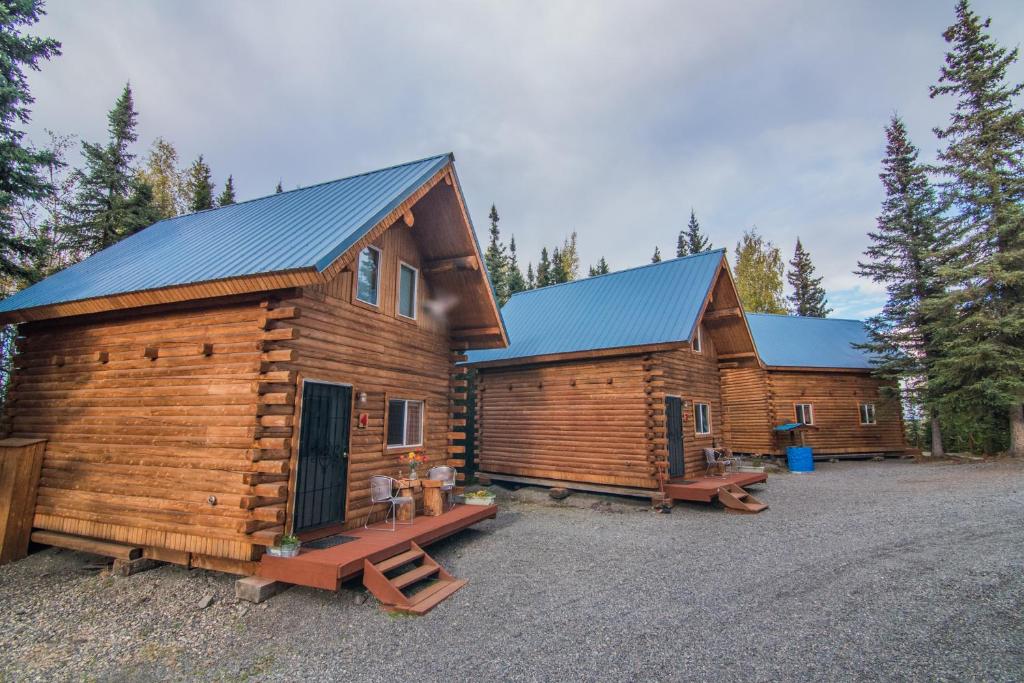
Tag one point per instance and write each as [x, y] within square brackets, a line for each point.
[799, 459]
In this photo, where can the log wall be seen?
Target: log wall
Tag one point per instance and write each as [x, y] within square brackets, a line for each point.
[747, 410]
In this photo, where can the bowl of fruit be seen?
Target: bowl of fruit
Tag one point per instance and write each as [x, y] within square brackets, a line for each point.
[479, 498]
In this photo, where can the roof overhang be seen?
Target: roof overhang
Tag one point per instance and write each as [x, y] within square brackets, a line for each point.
[578, 355]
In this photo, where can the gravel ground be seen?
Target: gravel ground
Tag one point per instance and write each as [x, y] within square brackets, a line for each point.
[862, 571]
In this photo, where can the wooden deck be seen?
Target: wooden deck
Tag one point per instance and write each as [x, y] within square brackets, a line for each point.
[329, 567]
[705, 489]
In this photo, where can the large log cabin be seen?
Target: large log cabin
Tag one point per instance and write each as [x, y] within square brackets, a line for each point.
[223, 377]
[612, 381]
[811, 372]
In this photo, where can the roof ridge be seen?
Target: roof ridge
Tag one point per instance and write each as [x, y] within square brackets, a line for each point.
[310, 187]
[590, 278]
[806, 317]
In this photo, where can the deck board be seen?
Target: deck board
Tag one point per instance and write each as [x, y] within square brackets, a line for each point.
[329, 567]
[704, 489]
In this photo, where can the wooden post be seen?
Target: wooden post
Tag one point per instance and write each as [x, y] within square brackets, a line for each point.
[20, 463]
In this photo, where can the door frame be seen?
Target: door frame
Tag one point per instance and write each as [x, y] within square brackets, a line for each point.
[296, 442]
[682, 433]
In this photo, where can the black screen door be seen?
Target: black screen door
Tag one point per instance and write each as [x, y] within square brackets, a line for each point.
[323, 456]
[674, 434]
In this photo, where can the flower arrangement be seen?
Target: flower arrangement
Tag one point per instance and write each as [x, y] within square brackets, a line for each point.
[414, 460]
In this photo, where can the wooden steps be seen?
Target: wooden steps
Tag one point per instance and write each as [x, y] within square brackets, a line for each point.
[736, 499]
[391, 590]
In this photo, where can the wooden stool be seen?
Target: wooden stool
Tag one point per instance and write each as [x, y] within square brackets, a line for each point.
[407, 488]
[433, 501]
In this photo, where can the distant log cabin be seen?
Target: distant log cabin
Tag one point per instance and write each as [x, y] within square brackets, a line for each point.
[612, 380]
[811, 372]
[224, 377]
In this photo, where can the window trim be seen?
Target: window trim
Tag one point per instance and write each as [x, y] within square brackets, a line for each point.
[809, 406]
[698, 346]
[696, 422]
[415, 291]
[355, 278]
[874, 415]
[405, 421]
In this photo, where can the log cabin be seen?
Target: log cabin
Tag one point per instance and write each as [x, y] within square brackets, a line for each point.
[223, 377]
[612, 383]
[811, 372]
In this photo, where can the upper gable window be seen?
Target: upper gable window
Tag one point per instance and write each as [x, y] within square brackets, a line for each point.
[407, 283]
[368, 276]
[698, 343]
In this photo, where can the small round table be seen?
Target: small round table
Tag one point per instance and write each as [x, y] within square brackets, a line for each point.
[407, 489]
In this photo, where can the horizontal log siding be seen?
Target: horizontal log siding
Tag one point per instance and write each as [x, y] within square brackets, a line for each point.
[378, 354]
[566, 421]
[137, 446]
[747, 415]
[836, 397]
[694, 377]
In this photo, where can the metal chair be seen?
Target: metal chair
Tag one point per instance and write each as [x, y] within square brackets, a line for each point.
[447, 475]
[382, 491]
[715, 462]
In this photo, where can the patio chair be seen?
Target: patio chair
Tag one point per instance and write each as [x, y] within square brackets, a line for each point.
[447, 475]
[714, 462]
[382, 491]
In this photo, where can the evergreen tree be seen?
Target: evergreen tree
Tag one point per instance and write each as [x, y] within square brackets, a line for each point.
[199, 186]
[531, 279]
[45, 220]
[113, 201]
[692, 240]
[980, 319]
[600, 269]
[759, 274]
[515, 282]
[544, 268]
[808, 297]
[558, 273]
[657, 256]
[570, 259]
[21, 167]
[902, 256]
[228, 195]
[161, 174]
[278, 189]
[496, 259]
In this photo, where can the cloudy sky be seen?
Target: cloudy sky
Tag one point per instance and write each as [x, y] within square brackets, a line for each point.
[611, 119]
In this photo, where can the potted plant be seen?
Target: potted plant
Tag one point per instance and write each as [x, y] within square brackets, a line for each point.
[288, 546]
[479, 498]
[414, 460]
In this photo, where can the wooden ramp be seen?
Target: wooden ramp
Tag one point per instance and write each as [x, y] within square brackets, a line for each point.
[728, 489]
[392, 563]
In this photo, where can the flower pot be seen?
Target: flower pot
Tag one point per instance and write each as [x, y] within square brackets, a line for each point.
[283, 551]
[750, 468]
[479, 501]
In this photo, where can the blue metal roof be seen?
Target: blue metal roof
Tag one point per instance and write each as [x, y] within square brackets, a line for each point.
[652, 304]
[792, 341]
[304, 228]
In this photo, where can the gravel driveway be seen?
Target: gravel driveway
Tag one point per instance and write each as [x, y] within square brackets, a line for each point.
[862, 571]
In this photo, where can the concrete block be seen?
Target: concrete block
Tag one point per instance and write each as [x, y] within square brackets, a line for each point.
[257, 589]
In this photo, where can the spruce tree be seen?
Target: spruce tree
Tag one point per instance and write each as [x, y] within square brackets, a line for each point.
[113, 201]
[903, 257]
[515, 282]
[544, 268]
[22, 168]
[808, 297]
[496, 260]
[199, 186]
[693, 241]
[600, 269]
[980, 319]
[531, 279]
[657, 256]
[759, 274]
[558, 273]
[227, 197]
[278, 189]
[161, 173]
[570, 259]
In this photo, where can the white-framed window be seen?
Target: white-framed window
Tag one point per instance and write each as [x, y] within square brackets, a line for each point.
[804, 413]
[368, 276]
[405, 423]
[408, 282]
[698, 342]
[867, 414]
[702, 418]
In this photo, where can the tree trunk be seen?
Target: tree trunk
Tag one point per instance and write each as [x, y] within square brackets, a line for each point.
[1017, 430]
[937, 450]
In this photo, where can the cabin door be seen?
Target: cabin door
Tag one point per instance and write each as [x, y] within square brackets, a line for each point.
[322, 469]
[674, 434]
